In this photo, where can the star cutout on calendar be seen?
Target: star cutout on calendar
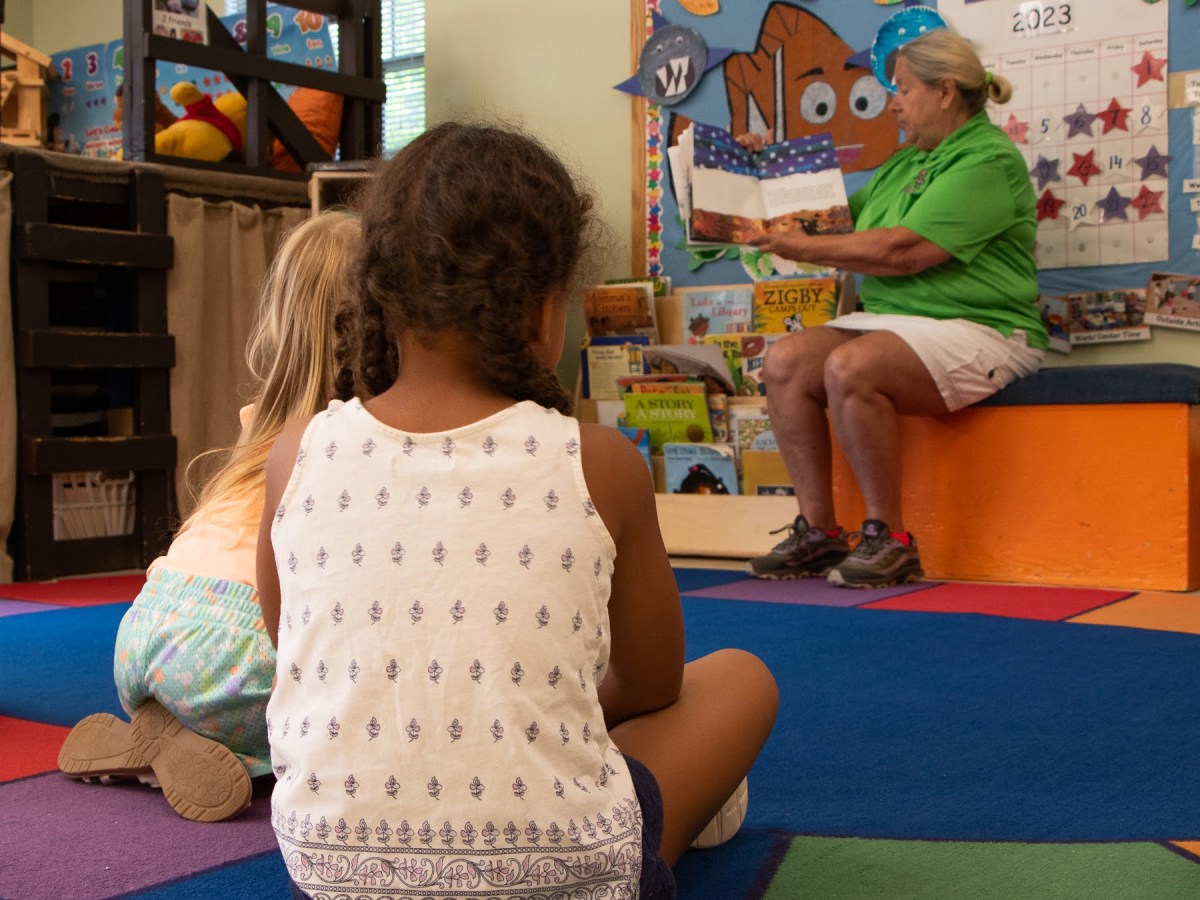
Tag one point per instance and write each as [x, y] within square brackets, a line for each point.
[1017, 131]
[1113, 206]
[1153, 163]
[1149, 69]
[1048, 205]
[1146, 202]
[1084, 166]
[1079, 122]
[1114, 116]
[1045, 171]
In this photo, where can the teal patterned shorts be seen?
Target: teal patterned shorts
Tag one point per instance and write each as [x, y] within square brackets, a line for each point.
[198, 646]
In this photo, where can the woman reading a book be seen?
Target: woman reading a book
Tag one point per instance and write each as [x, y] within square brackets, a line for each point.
[944, 236]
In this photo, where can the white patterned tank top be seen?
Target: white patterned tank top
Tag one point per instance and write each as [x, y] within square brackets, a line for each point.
[435, 727]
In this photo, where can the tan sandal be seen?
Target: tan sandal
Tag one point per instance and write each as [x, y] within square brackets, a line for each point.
[203, 780]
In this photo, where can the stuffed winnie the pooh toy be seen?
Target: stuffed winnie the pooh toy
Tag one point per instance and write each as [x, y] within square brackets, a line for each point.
[209, 130]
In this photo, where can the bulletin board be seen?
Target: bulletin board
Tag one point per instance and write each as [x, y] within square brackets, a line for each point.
[1125, 70]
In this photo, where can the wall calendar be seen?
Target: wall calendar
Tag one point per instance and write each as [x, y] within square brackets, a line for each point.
[1089, 113]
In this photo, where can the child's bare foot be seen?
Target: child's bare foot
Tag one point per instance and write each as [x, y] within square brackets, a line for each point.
[202, 780]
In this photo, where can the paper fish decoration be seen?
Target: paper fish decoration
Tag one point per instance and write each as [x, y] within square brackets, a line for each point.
[672, 62]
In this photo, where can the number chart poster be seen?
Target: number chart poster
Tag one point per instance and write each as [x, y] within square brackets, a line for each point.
[1089, 112]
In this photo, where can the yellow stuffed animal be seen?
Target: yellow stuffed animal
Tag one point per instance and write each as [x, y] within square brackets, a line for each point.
[208, 130]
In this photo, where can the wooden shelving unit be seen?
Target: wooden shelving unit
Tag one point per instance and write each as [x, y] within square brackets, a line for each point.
[89, 264]
[359, 79]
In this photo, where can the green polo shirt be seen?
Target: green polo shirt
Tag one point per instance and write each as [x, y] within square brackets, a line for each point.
[972, 197]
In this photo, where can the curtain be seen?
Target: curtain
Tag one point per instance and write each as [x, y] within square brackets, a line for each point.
[222, 253]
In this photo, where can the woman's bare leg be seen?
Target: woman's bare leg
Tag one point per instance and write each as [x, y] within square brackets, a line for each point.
[794, 372]
[870, 382]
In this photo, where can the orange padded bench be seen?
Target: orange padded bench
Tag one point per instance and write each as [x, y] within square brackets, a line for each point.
[1085, 475]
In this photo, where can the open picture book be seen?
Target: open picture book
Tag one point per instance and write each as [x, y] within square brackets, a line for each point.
[728, 194]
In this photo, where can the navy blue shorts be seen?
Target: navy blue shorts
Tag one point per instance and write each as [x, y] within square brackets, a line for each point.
[658, 881]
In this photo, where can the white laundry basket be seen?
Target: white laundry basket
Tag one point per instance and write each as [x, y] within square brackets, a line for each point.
[93, 504]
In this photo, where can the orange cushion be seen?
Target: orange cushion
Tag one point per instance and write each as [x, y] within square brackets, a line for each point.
[318, 111]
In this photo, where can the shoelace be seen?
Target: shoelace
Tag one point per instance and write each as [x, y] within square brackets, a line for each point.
[867, 546]
[789, 542]
[796, 537]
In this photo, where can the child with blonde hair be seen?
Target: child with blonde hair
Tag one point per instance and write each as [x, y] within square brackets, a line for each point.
[192, 664]
[481, 688]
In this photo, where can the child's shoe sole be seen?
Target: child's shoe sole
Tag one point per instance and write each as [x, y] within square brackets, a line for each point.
[101, 748]
[202, 780]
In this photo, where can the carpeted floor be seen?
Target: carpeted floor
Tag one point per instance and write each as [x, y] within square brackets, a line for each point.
[934, 740]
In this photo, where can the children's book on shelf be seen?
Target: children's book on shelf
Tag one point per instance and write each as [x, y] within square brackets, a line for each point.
[702, 360]
[620, 309]
[699, 468]
[641, 440]
[750, 428]
[680, 418]
[784, 305]
[717, 400]
[604, 358]
[765, 475]
[659, 284]
[1104, 317]
[731, 348]
[661, 383]
[718, 414]
[716, 309]
[1172, 301]
[754, 355]
[728, 194]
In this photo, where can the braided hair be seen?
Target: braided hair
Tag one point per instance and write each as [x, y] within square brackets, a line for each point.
[470, 228]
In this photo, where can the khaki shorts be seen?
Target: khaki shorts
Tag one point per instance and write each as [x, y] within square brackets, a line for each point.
[968, 361]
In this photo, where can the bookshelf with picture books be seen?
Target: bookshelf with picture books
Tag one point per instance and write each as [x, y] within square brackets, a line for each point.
[679, 371]
[680, 368]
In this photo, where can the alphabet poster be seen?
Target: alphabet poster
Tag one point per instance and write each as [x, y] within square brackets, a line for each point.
[1089, 112]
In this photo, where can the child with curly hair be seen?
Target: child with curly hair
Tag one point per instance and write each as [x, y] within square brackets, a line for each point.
[481, 686]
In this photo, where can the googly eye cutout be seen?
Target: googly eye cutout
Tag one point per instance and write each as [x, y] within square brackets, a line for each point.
[908, 23]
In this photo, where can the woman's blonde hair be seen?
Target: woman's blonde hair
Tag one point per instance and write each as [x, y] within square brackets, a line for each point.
[942, 53]
[299, 352]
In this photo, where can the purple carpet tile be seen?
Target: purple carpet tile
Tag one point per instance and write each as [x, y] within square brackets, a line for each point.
[20, 607]
[804, 592]
[112, 839]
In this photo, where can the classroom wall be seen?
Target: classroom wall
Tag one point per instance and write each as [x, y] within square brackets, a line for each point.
[54, 25]
[63, 24]
[18, 20]
[551, 65]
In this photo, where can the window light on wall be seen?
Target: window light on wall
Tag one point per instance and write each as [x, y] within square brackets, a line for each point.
[402, 50]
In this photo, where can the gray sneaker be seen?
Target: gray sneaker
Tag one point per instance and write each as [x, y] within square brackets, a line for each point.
[879, 560]
[805, 552]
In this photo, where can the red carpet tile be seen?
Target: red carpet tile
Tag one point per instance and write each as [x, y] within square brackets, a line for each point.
[28, 748]
[1049, 604]
[77, 591]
